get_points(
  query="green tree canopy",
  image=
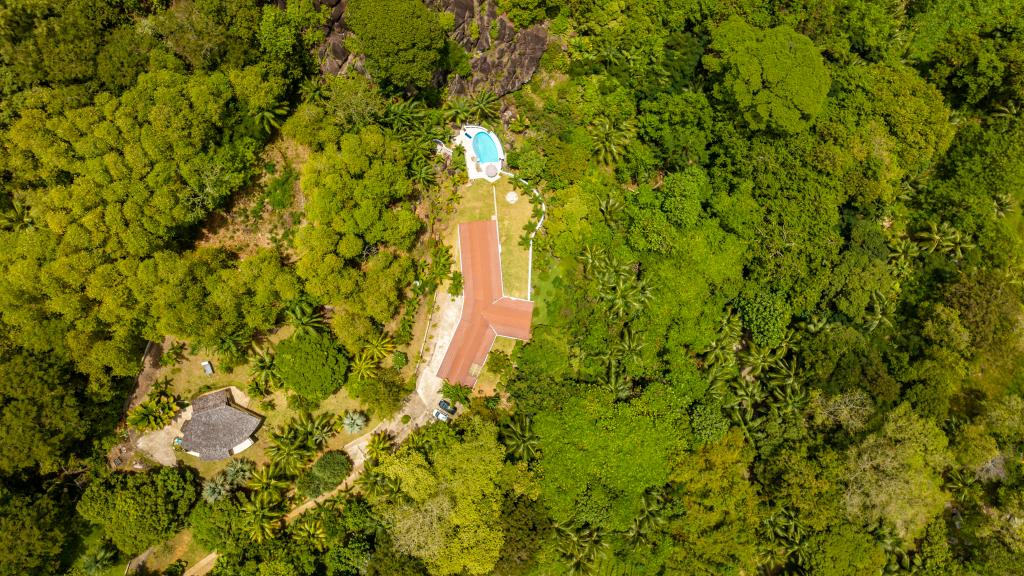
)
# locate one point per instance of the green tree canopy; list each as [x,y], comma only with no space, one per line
[137,510]
[448,515]
[402,40]
[895,473]
[312,365]
[774,79]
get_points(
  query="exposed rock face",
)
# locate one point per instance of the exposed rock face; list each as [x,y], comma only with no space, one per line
[502,64]
[334,57]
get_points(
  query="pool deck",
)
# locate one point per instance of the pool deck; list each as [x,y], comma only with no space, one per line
[479,170]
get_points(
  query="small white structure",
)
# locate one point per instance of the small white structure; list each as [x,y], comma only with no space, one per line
[484,155]
[207,366]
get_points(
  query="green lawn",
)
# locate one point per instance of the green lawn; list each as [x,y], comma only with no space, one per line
[477,202]
[515,258]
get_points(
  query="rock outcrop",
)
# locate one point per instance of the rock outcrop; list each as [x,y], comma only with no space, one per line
[502,58]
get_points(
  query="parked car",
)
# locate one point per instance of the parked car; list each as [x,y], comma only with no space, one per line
[441,415]
[446,406]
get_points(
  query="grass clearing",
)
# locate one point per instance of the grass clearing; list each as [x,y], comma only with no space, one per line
[477,202]
[181,547]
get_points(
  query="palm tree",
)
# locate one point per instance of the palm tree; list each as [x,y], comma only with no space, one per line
[379,445]
[174,354]
[611,210]
[264,371]
[155,413]
[785,531]
[99,560]
[520,439]
[17,217]
[789,398]
[930,238]
[233,346]
[288,453]
[238,472]
[363,367]
[1003,204]
[404,115]
[954,243]
[625,296]
[423,175]
[371,482]
[216,489]
[268,119]
[312,90]
[610,140]
[650,519]
[617,382]
[311,531]
[457,110]
[783,373]
[963,485]
[379,347]
[484,105]
[304,316]
[629,345]
[756,358]
[314,430]
[263,515]
[590,257]
[353,421]
[580,547]
[265,479]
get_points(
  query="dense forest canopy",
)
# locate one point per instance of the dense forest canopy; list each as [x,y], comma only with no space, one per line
[779,286]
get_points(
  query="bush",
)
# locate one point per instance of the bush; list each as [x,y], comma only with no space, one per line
[381,395]
[312,365]
[353,421]
[280,189]
[326,474]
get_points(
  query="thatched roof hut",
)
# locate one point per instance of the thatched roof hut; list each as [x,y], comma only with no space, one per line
[218,428]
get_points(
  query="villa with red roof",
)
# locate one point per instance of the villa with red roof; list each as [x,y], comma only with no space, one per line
[486,312]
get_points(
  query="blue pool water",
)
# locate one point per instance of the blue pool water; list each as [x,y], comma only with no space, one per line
[485,149]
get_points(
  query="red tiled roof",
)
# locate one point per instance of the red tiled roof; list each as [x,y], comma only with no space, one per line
[486,312]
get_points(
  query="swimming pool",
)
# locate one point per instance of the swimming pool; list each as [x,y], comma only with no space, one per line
[485,148]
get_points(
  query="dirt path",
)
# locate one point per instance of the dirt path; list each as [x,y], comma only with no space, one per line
[146,378]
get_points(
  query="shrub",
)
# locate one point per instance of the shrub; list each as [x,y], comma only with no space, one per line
[312,365]
[353,421]
[326,474]
[382,395]
[279,189]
